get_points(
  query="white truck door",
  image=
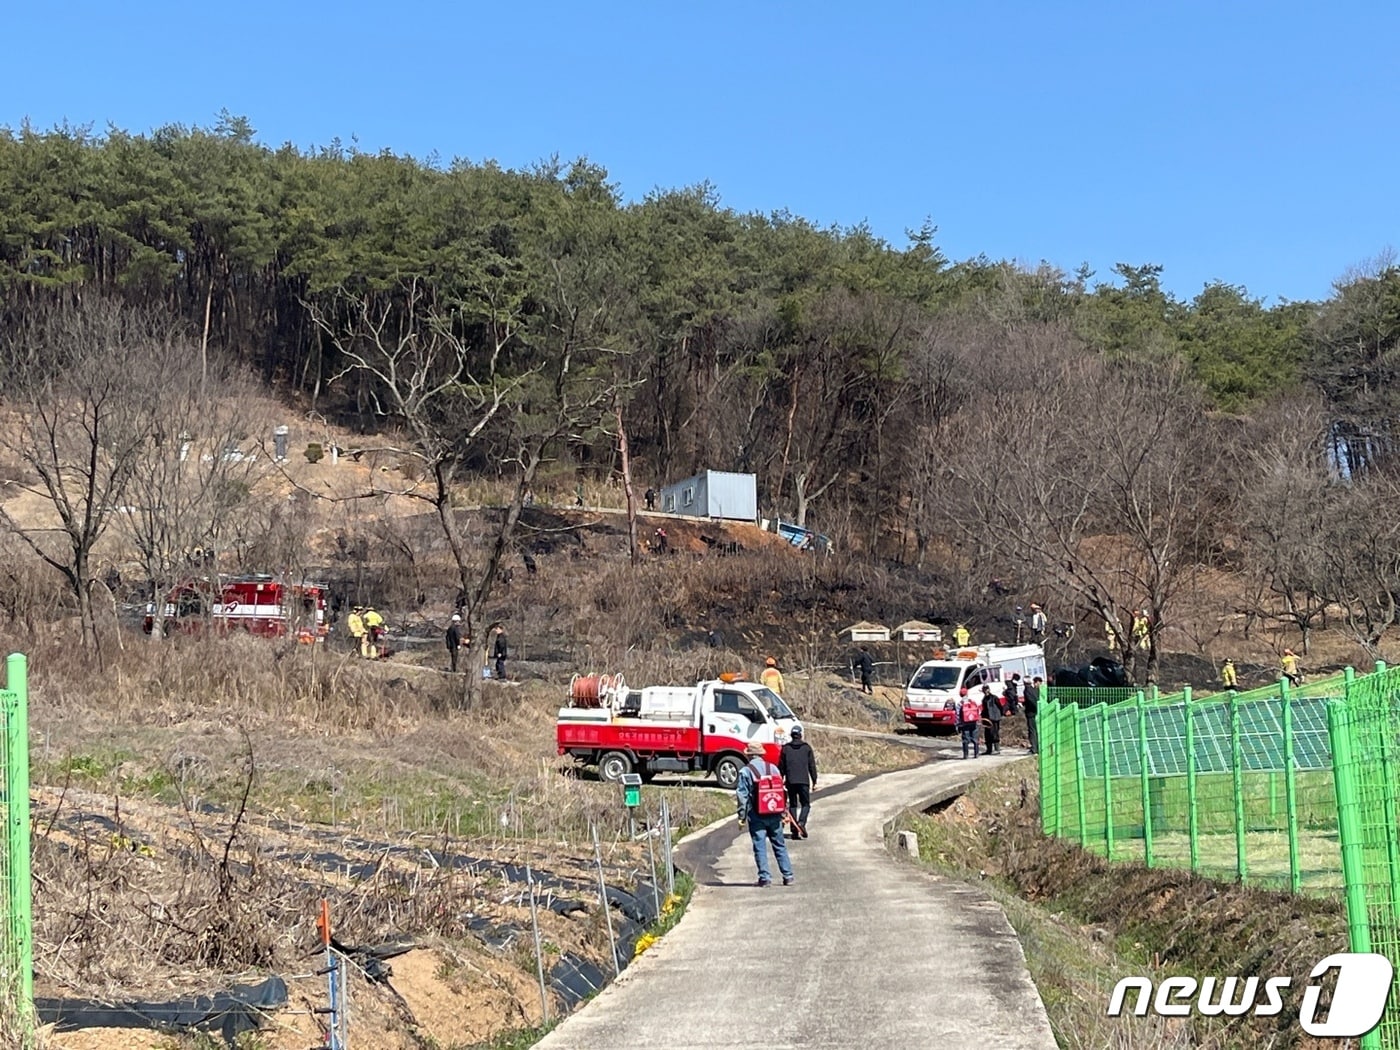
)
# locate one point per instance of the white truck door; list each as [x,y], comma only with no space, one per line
[723,714]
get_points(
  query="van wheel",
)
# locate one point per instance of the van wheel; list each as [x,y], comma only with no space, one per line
[727,771]
[613,766]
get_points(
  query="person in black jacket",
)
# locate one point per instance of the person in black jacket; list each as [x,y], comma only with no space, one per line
[1031,703]
[867,667]
[991,718]
[454,640]
[499,651]
[798,765]
[1010,699]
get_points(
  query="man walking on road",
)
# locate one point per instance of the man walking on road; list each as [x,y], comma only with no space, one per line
[969,720]
[763,827]
[1031,703]
[991,714]
[798,764]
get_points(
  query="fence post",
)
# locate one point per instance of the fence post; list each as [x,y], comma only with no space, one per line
[1107,783]
[1048,804]
[1339,729]
[1388,790]
[1057,758]
[1192,817]
[20,918]
[1145,781]
[1079,775]
[1237,775]
[1290,794]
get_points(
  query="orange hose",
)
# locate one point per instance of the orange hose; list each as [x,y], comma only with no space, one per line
[588,690]
[585,690]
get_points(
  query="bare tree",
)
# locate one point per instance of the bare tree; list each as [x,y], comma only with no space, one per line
[1087,478]
[438,373]
[1362,558]
[86,380]
[1285,517]
[941,383]
[429,378]
[196,471]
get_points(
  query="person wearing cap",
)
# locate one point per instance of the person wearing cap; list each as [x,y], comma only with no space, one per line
[1037,621]
[374,629]
[969,714]
[991,718]
[1229,677]
[771,677]
[798,764]
[355,624]
[454,640]
[763,827]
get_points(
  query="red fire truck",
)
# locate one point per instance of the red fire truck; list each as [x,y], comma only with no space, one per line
[268,606]
[703,727]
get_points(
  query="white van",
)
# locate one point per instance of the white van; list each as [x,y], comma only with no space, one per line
[932,695]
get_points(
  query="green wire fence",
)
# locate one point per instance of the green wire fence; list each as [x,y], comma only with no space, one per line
[1290,788]
[17,929]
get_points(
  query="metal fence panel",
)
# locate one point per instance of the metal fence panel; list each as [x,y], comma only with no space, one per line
[1293,788]
[17,929]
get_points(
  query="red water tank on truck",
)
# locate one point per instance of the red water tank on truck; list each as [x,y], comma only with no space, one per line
[677,729]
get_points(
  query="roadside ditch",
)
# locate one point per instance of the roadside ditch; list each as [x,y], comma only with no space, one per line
[1084,923]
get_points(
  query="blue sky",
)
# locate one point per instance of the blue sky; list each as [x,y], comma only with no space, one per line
[1245,142]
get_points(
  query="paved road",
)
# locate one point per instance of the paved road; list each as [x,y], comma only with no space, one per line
[864,951]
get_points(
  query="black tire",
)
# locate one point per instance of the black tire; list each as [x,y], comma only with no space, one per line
[613,766]
[727,771]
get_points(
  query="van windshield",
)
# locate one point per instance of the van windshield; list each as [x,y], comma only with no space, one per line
[936,676]
[774,703]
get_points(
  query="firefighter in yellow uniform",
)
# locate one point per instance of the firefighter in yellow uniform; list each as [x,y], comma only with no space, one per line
[1228,677]
[961,635]
[771,677]
[1140,630]
[374,627]
[1289,665]
[355,624]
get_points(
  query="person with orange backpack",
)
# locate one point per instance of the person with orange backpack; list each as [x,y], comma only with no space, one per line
[969,722]
[762,801]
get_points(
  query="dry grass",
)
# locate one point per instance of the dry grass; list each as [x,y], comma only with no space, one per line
[146,888]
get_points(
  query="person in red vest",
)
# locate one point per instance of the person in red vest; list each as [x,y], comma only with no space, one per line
[763,827]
